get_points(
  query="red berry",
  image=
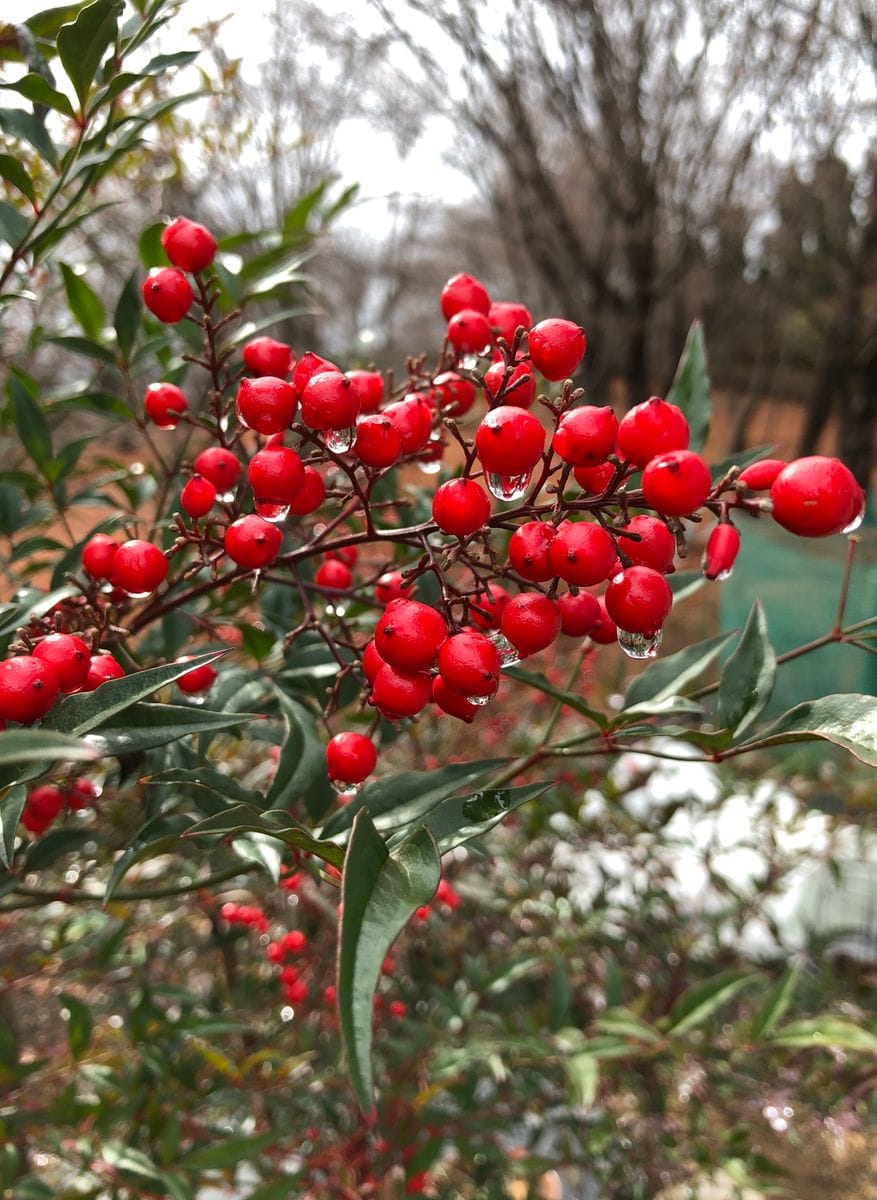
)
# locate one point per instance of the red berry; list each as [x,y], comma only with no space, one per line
[198,496]
[82,794]
[167,294]
[460,507]
[98,555]
[267,404]
[378,442]
[330,401]
[452,702]
[651,428]
[676,483]
[638,600]
[28,689]
[816,497]
[586,436]
[164,403]
[398,694]
[102,669]
[594,480]
[333,574]
[347,554]
[199,679]
[68,656]
[454,395]
[371,661]
[469,663]
[531,622]
[461,292]
[606,631]
[509,441]
[188,245]
[308,365]
[32,822]
[507,318]
[276,475]
[370,385]
[578,614]
[485,611]
[556,347]
[761,475]
[311,495]
[721,551]
[220,466]
[520,388]
[265,356]
[469,331]
[139,567]
[398,1008]
[45,802]
[530,551]
[412,416]
[656,547]
[408,635]
[294,941]
[351,757]
[391,586]
[252,543]
[582,553]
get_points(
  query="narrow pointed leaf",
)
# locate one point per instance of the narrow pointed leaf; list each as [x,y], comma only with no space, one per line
[698,1004]
[83,43]
[778,1000]
[821,1032]
[848,720]
[690,389]
[146,726]
[670,676]
[570,699]
[748,677]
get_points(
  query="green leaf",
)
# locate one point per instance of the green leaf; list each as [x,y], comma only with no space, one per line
[243,818]
[39,91]
[301,771]
[87,711]
[86,347]
[698,1003]
[30,423]
[379,893]
[207,779]
[263,849]
[54,845]
[848,720]
[25,127]
[84,302]
[584,1075]
[14,173]
[748,676]
[458,819]
[83,43]
[38,745]
[12,802]
[667,677]
[570,699]
[149,246]
[690,389]
[228,1153]
[13,224]
[146,726]
[79,1026]
[624,1023]
[130,1161]
[778,1000]
[157,836]
[684,584]
[819,1032]
[126,319]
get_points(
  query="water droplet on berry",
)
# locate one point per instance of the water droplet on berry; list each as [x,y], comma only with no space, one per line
[430,467]
[138,595]
[720,576]
[345,791]
[856,521]
[272,512]
[226,497]
[240,417]
[640,645]
[198,698]
[469,361]
[106,587]
[336,609]
[340,441]
[508,654]
[508,487]
[480,701]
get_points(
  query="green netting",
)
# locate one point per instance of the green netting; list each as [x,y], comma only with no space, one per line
[798,582]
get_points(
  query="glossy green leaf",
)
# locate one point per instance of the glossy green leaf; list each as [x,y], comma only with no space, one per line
[584,1076]
[146,726]
[39,91]
[206,779]
[458,819]
[228,1152]
[698,1003]
[88,710]
[30,424]
[624,1023]
[53,845]
[684,584]
[87,347]
[12,802]
[379,893]
[79,1024]
[38,745]
[748,676]
[848,720]
[126,319]
[690,389]
[84,302]
[157,836]
[14,173]
[130,1162]
[821,1032]
[301,771]
[83,43]
[778,1000]
[570,699]
[244,818]
[25,127]
[13,224]
[667,677]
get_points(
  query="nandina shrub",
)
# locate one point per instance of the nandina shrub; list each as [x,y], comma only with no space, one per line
[268,582]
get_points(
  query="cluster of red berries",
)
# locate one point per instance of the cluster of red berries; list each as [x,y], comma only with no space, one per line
[46,803]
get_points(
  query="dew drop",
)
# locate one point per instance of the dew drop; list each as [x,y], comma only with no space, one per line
[508,487]
[240,417]
[640,645]
[345,791]
[430,466]
[480,701]
[226,497]
[272,512]
[340,441]
[856,521]
[508,654]
[106,587]
[337,609]
[198,698]
[138,595]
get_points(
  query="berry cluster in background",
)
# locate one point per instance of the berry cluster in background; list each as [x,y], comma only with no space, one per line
[558,520]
